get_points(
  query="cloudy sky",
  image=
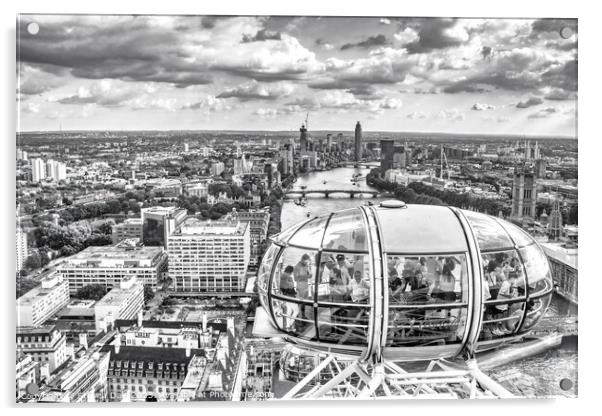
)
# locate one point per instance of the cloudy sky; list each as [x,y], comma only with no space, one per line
[393,74]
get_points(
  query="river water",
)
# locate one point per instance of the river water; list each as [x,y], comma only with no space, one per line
[537,376]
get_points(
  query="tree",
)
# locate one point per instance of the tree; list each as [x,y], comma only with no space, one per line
[24,285]
[148,294]
[33,262]
[106,228]
[94,292]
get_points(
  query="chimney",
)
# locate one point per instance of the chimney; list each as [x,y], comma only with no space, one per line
[117,345]
[140,319]
[83,339]
[187,348]
[204,321]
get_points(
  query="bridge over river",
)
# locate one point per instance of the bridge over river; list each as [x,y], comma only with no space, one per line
[294,193]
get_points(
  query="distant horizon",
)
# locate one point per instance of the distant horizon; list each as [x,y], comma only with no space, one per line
[442,133]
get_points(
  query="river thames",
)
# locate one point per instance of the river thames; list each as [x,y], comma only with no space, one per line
[536,376]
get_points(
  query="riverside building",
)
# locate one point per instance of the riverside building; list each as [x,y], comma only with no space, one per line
[209,256]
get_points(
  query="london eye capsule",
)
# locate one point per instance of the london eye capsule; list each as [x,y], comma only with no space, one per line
[403,282]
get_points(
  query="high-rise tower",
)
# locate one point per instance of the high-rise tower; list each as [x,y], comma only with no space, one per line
[358,142]
[303,139]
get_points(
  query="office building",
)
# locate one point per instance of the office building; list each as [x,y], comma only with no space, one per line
[209,256]
[217,168]
[109,265]
[21,155]
[45,345]
[564,269]
[288,162]
[159,222]
[387,151]
[82,380]
[55,170]
[399,157]
[122,302]
[128,229]
[38,170]
[540,168]
[43,301]
[358,142]
[172,361]
[199,189]
[242,165]
[22,250]
[524,196]
[303,147]
[258,220]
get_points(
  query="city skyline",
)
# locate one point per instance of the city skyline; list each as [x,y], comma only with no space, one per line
[475,76]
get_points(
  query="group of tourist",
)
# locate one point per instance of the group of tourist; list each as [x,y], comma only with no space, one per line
[503,279]
[419,280]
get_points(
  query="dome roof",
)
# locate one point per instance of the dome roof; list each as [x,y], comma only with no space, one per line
[387,279]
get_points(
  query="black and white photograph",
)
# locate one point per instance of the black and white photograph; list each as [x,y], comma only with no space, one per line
[293,208]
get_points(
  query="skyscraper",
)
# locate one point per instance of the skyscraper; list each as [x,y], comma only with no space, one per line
[358,142]
[303,139]
[22,253]
[38,170]
[387,150]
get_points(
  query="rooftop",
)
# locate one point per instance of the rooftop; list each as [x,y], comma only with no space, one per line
[116,296]
[125,323]
[30,330]
[113,253]
[156,354]
[557,251]
[159,210]
[195,226]
[49,283]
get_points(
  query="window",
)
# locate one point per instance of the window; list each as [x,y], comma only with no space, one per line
[428,298]
[504,294]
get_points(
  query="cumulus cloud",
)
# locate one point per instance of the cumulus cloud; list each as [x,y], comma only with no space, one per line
[261,36]
[324,44]
[543,113]
[207,104]
[36,81]
[30,107]
[452,114]
[176,50]
[482,107]
[105,93]
[532,101]
[517,69]
[416,115]
[370,42]
[436,34]
[558,94]
[253,90]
